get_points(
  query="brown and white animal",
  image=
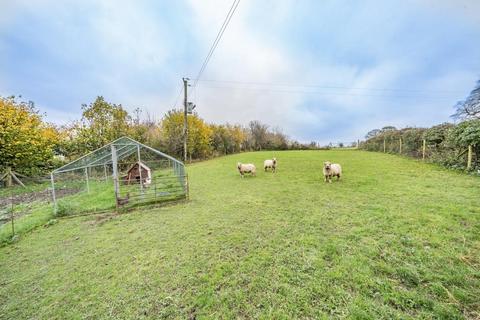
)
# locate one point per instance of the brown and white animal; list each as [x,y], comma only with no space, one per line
[246,168]
[331,170]
[270,164]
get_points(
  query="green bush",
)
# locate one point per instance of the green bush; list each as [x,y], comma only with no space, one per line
[63,209]
[446,143]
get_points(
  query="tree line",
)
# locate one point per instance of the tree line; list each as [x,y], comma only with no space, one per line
[32,146]
[446,143]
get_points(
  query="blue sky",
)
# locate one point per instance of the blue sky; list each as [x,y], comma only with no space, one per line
[327,71]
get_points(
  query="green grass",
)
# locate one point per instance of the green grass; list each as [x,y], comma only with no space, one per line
[394,238]
[100,198]
[17,190]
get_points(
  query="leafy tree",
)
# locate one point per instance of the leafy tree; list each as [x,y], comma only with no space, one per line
[276,140]
[388,128]
[199,134]
[199,137]
[437,134]
[466,133]
[238,136]
[172,132]
[470,107]
[258,133]
[27,143]
[101,123]
[373,133]
[221,141]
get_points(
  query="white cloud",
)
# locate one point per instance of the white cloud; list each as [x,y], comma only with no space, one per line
[124,51]
[241,55]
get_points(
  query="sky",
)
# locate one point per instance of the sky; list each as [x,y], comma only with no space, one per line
[325,71]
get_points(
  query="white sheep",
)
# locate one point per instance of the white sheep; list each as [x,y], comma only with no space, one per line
[246,168]
[270,164]
[331,170]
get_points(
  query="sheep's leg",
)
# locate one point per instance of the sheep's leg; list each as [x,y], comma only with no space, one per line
[338,177]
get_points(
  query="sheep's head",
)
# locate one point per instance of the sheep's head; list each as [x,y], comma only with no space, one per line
[274,160]
[327,165]
[239,165]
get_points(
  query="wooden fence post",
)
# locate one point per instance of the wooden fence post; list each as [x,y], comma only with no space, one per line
[12,215]
[384,146]
[400,146]
[9,177]
[469,157]
[53,194]
[424,148]
[140,169]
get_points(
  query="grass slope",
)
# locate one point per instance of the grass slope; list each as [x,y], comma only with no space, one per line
[394,238]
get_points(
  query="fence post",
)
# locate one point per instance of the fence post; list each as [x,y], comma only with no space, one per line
[86,179]
[52,181]
[115,174]
[9,177]
[384,146]
[424,148]
[469,158]
[400,146]
[12,214]
[140,169]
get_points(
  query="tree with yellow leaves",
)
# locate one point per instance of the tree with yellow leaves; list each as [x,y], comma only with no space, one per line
[26,142]
[199,135]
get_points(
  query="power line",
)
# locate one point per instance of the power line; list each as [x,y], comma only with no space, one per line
[277,84]
[330,93]
[217,39]
[178,96]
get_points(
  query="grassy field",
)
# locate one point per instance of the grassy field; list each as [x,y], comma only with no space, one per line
[394,238]
[73,198]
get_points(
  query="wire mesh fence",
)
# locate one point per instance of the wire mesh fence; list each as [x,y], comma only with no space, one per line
[122,174]
[415,146]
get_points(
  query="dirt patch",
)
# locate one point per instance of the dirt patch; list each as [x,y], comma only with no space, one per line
[44,195]
[28,199]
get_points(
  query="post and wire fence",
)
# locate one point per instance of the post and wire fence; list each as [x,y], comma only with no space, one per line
[415,146]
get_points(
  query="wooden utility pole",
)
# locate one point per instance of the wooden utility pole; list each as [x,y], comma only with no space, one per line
[185,122]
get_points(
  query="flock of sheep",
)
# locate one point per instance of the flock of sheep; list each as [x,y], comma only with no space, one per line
[330,170]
